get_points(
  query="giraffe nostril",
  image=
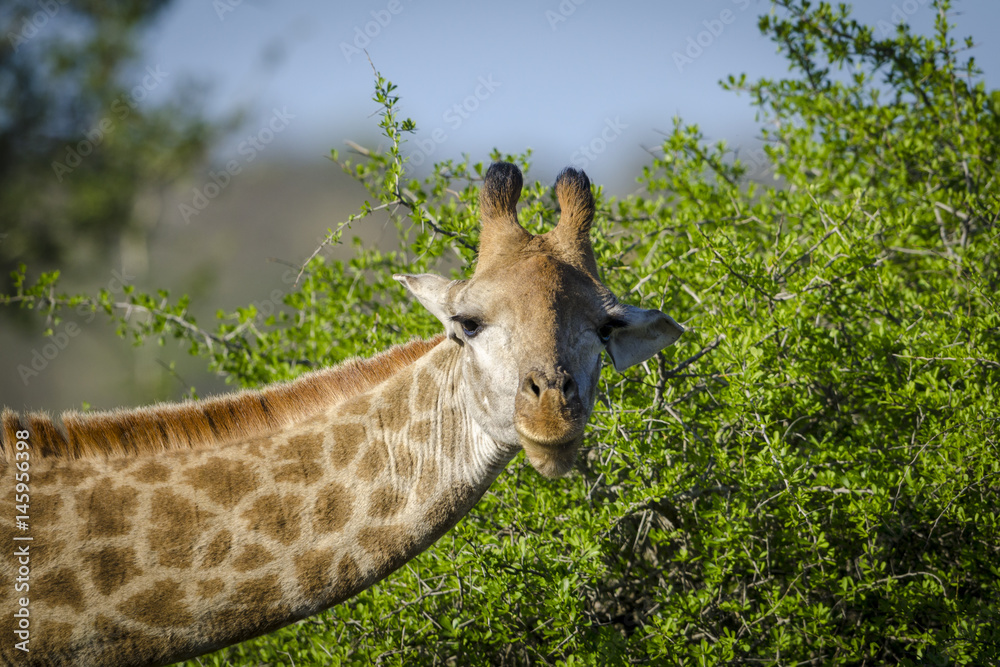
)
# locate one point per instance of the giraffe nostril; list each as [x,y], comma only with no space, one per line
[537,383]
[531,386]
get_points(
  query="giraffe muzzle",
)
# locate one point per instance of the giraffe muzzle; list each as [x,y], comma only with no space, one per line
[550,418]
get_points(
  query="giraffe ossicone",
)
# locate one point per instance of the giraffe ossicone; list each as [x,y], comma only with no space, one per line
[163,533]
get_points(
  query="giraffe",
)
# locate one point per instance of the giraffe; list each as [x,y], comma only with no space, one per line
[163,533]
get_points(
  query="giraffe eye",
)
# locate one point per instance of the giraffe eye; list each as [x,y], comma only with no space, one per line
[470,327]
[605,330]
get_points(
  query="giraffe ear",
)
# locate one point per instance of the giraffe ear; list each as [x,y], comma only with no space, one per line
[642,334]
[433,292]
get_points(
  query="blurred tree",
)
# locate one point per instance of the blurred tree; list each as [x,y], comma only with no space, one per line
[85,151]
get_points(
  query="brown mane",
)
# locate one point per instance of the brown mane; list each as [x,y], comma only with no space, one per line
[211,422]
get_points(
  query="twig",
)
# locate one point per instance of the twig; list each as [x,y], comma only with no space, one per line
[743,279]
[405,198]
[652,273]
[173,373]
[988,362]
[327,241]
[690,360]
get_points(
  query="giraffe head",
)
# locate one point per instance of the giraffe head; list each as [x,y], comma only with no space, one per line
[533,320]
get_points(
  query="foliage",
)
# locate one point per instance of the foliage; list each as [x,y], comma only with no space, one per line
[808,476]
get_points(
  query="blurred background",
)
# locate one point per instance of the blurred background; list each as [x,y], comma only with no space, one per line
[184,144]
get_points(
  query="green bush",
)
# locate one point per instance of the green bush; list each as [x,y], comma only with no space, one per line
[809,476]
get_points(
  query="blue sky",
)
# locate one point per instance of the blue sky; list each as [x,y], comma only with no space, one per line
[554,75]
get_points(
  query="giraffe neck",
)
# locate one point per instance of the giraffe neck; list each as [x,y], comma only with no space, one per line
[152,559]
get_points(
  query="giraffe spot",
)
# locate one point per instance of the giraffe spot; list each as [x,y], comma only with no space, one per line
[225,482]
[252,557]
[161,606]
[449,424]
[261,621]
[450,506]
[394,409]
[68,475]
[428,481]
[386,501]
[55,636]
[373,462]
[105,510]
[7,533]
[305,472]
[268,619]
[124,646]
[420,431]
[301,447]
[347,439]
[259,592]
[348,569]
[303,451]
[217,549]
[151,473]
[313,570]
[120,463]
[111,568]
[394,417]
[59,588]
[427,391]
[404,462]
[209,588]
[45,509]
[388,545]
[349,579]
[175,522]
[275,516]
[332,510]
[357,405]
